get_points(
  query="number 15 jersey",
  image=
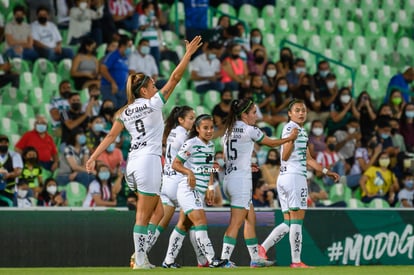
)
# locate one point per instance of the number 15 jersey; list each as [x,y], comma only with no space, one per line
[238,149]
[144,122]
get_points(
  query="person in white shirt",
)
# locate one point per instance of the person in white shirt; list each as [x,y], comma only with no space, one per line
[47,38]
[148,24]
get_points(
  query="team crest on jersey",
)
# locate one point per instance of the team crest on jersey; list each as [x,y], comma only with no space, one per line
[187,153]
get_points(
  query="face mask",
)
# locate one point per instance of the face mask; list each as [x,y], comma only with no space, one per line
[51,189]
[108,110]
[409,114]
[351,130]
[345,98]
[331,84]
[127,52]
[104,175]
[256,39]
[317,131]
[372,145]
[131,207]
[151,13]
[283,88]
[98,127]
[384,162]
[42,20]
[31,160]
[19,20]
[243,55]
[394,131]
[83,5]
[41,128]
[259,59]
[145,50]
[76,106]
[385,136]
[324,73]
[226,101]
[22,193]
[66,94]
[286,58]
[300,70]
[234,56]
[82,139]
[220,162]
[271,73]
[211,56]
[96,97]
[110,148]
[331,146]
[396,100]
[272,161]
[4,149]
[409,184]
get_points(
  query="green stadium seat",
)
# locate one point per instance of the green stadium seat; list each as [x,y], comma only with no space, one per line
[368,6]
[269,41]
[325,5]
[386,72]
[248,13]
[355,203]
[12,96]
[305,29]
[199,110]
[394,31]
[283,28]
[270,13]
[293,15]
[315,16]
[100,50]
[295,39]
[166,67]
[351,29]
[227,9]
[279,129]
[170,104]
[261,24]
[378,203]
[372,29]
[211,99]
[75,193]
[8,126]
[37,98]
[339,192]
[405,48]
[338,45]
[190,98]
[403,19]
[28,81]
[63,68]
[20,65]
[51,84]
[316,44]
[22,112]
[364,74]
[337,17]
[390,5]
[343,76]
[41,67]
[283,4]
[381,17]
[408,7]
[361,46]
[383,46]
[328,29]
[376,91]
[6,110]
[347,6]
[170,38]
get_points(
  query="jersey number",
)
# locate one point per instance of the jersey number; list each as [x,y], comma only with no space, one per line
[139,125]
[231,150]
[169,153]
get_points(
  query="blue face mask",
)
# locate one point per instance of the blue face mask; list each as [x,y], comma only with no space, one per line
[145,50]
[41,128]
[409,114]
[409,184]
[128,52]
[211,56]
[104,175]
[385,136]
[98,127]
[324,73]
[82,139]
[111,148]
[256,39]
[151,14]
[283,88]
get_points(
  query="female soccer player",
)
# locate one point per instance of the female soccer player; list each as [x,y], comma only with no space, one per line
[195,161]
[142,117]
[239,139]
[291,184]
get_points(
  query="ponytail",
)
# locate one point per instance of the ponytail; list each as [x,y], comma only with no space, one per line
[237,108]
[172,120]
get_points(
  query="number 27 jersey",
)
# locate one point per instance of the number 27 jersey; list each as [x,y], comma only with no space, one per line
[144,122]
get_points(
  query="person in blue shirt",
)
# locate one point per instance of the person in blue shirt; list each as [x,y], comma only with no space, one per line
[401,81]
[114,70]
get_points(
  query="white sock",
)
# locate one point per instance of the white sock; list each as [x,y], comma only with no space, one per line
[228,246]
[204,242]
[252,246]
[153,240]
[174,245]
[275,236]
[295,239]
[201,259]
[151,232]
[140,240]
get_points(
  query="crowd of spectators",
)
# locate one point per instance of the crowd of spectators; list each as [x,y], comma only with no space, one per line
[370,146]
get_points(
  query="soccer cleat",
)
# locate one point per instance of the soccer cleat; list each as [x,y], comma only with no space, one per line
[173,265]
[132,260]
[299,265]
[146,261]
[143,266]
[261,263]
[229,264]
[217,263]
[262,252]
[204,265]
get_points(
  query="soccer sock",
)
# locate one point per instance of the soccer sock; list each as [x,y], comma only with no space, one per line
[157,233]
[151,233]
[276,235]
[201,259]
[140,239]
[204,242]
[252,246]
[295,239]
[174,245]
[228,247]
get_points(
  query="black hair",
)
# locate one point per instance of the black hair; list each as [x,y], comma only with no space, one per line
[65,81]
[322,62]
[237,108]
[123,40]
[299,59]
[73,94]
[293,102]
[30,149]
[142,40]
[18,8]
[42,8]
[193,131]
[87,41]
[172,120]
[277,156]
[72,137]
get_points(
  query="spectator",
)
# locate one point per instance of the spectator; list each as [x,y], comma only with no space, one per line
[316,140]
[347,139]
[406,195]
[262,99]
[256,43]
[262,196]
[294,76]
[60,104]
[221,111]
[43,143]
[219,33]
[270,169]
[397,138]
[320,78]
[256,64]
[32,171]
[205,70]
[234,70]
[95,133]
[149,26]
[383,131]
[19,41]
[368,115]
[311,97]
[341,111]
[401,82]
[95,93]
[317,192]
[378,181]
[47,38]
[103,29]
[73,159]
[269,78]
[124,15]
[384,110]
[102,191]
[23,197]
[50,196]
[7,75]
[281,98]
[10,171]
[396,102]
[113,158]
[80,24]
[285,63]
[85,65]
[329,93]
[107,112]
[407,126]
[114,70]
[74,118]
[196,18]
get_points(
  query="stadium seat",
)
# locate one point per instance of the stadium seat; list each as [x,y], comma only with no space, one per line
[20,65]
[372,30]
[368,6]
[75,193]
[293,15]
[355,203]
[343,76]
[361,45]
[394,31]
[338,45]
[381,17]
[100,50]
[408,7]
[279,129]
[227,9]
[283,4]
[12,96]
[339,192]
[383,46]
[328,29]
[63,68]
[391,5]
[403,19]
[316,44]
[376,91]
[374,60]
[178,7]
[378,203]
[51,84]
[337,17]
[6,110]
[347,6]
[269,41]
[8,126]
[41,67]
[170,38]
[211,99]
[282,29]
[351,29]
[305,29]
[37,98]
[386,72]
[22,113]
[166,67]
[405,47]
[190,98]
[199,110]
[351,58]
[27,81]
[315,16]
[248,13]
[325,5]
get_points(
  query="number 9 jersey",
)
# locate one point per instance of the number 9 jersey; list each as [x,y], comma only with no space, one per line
[144,122]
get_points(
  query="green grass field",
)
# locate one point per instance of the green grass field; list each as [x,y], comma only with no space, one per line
[337,270]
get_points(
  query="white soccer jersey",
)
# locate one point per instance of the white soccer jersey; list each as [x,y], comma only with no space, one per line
[296,164]
[238,149]
[198,157]
[175,140]
[144,122]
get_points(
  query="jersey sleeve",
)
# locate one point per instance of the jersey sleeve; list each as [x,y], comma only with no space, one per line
[255,134]
[287,130]
[157,101]
[185,151]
